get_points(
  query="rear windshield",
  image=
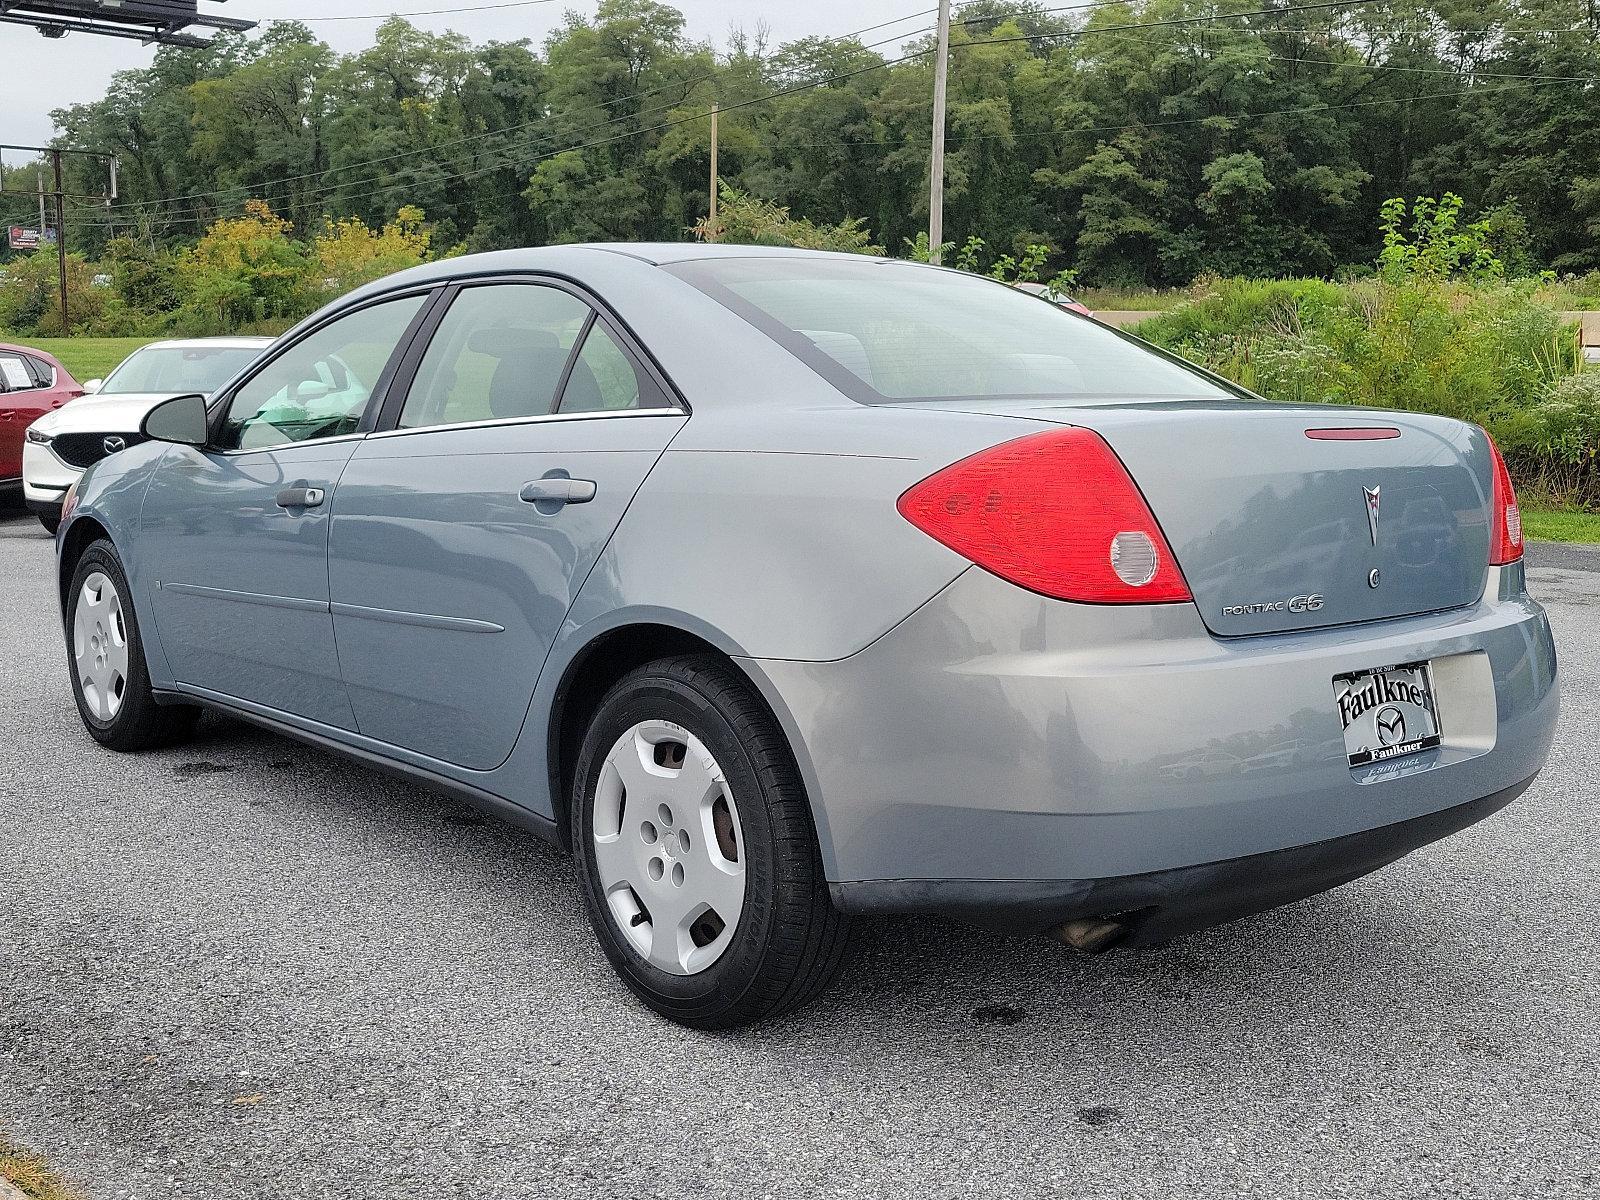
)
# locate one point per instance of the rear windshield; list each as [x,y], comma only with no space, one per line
[178,369]
[882,331]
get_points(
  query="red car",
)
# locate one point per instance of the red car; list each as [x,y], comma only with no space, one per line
[32,383]
[1062,301]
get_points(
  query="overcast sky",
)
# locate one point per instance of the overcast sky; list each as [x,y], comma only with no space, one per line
[38,75]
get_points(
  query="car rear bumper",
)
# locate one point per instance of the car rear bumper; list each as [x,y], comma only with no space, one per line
[997,740]
[1159,905]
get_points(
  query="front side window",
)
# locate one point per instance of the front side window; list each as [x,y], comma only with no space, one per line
[14,374]
[882,331]
[320,386]
[499,354]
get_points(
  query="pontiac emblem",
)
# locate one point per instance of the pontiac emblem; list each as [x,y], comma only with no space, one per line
[112,444]
[1371,493]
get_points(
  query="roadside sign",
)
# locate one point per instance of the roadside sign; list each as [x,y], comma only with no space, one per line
[31,239]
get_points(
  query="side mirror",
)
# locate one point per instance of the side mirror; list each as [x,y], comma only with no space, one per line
[183,419]
[93,386]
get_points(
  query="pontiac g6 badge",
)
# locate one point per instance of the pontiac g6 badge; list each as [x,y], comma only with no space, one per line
[1371,493]
[1294,604]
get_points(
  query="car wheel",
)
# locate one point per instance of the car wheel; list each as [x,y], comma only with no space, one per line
[51,524]
[110,682]
[696,849]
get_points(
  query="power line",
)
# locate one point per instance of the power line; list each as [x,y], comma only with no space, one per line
[1239,116]
[425,12]
[501,160]
[686,84]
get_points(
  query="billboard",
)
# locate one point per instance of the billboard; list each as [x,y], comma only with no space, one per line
[164,21]
[30,239]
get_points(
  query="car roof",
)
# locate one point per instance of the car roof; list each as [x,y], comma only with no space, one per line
[19,348]
[571,259]
[224,343]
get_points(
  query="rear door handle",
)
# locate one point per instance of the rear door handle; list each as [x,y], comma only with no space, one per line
[300,497]
[558,489]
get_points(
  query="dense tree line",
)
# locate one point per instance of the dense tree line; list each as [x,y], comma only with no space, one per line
[1144,142]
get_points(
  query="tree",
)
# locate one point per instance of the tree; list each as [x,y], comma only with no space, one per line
[349,254]
[244,271]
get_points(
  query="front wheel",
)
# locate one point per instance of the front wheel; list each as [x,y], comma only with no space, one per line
[696,849]
[50,523]
[109,679]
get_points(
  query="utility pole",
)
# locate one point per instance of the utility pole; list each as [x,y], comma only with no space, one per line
[711,224]
[56,154]
[61,241]
[941,72]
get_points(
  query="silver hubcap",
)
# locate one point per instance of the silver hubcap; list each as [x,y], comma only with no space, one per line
[668,847]
[100,646]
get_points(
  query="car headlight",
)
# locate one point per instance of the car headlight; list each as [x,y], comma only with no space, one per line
[38,438]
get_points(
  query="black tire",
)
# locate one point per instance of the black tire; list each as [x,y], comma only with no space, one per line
[789,938]
[51,524]
[139,723]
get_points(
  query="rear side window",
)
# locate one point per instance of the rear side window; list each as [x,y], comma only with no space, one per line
[605,378]
[882,331]
[500,353]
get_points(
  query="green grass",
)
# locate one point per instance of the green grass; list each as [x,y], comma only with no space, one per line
[88,357]
[30,1175]
[1548,525]
[1115,299]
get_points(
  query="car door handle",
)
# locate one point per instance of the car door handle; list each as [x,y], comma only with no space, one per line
[300,497]
[558,489]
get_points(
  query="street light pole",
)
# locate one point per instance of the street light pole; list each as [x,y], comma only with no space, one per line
[941,70]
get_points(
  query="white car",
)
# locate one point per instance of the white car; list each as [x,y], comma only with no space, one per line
[61,445]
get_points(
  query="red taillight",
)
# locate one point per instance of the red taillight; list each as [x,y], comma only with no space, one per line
[1505,534]
[1056,513]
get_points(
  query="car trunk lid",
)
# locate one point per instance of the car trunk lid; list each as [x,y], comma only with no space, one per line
[1278,530]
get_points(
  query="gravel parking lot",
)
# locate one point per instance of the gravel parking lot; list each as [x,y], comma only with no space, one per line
[242,968]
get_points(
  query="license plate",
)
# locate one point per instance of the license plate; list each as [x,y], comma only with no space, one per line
[1387,713]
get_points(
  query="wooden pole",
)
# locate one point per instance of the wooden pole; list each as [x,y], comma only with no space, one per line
[941,71]
[712,223]
[61,241]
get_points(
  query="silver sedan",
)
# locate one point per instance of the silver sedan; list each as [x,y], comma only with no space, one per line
[783,587]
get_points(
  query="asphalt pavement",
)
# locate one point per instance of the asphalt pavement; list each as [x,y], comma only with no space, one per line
[242,968]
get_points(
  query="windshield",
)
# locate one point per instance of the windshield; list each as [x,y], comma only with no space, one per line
[178,369]
[881,331]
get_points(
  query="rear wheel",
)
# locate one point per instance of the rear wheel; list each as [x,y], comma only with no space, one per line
[110,682]
[696,849]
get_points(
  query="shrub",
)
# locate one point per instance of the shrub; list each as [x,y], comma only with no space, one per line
[751,221]
[1553,445]
[1492,353]
[244,270]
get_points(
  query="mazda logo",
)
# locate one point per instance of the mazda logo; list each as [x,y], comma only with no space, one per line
[1391,725]
[112,444]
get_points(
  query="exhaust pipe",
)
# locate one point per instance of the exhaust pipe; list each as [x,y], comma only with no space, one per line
[1092,935]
